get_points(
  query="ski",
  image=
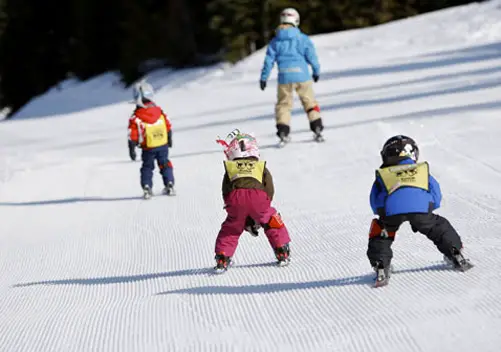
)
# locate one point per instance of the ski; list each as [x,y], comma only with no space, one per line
[222,265]
[219,271]
[381,281]
[382,276]
[465,266]
[169,192]
[459,263]
[283,142]
[147,192]
[319,138]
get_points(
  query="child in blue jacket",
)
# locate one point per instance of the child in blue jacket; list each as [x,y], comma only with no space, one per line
[403,191]
[293,51]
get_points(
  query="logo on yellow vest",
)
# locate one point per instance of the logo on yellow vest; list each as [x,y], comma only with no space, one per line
[156,134]
[408,175]
[245,168]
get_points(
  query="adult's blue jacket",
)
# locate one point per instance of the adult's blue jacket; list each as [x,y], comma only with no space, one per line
[293,51]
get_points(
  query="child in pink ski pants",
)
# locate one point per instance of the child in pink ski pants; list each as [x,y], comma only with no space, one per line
[247,192]
[254,203]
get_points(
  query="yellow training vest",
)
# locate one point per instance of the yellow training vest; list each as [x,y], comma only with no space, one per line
[156,134]
[406,175]
[245,168]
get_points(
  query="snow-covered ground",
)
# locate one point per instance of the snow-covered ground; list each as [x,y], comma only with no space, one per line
[86,265]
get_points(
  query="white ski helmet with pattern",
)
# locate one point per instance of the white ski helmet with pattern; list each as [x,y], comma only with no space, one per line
[290,16]
[239,145]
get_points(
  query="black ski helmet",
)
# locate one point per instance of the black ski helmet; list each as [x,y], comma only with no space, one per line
[398,148]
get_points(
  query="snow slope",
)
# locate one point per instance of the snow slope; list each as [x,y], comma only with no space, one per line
[86,265]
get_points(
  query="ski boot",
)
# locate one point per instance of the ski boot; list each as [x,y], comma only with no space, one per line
[383,274]
[318,135]
[222,263]
[283,255]
[147,192]
[169,189]
[317,127]
[284,139]
[458,261]
[283,133]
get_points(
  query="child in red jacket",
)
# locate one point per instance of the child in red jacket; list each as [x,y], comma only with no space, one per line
[150,129]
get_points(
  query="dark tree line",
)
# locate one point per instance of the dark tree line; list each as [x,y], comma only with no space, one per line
[44,42]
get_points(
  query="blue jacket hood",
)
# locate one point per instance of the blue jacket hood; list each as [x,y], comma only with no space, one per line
[287,33]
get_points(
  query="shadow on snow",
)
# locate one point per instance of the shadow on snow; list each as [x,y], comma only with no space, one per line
[67,201]
[109,280]
[364,280]
[239,290]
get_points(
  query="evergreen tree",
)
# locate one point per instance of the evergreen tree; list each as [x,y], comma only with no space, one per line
[44,42]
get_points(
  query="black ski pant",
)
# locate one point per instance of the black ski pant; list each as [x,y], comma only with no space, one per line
[435,227]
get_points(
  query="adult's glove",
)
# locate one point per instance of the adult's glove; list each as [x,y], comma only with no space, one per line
[262,84]
[316,78]
[169,139]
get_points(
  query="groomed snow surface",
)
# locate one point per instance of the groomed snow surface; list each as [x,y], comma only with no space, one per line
[87,265]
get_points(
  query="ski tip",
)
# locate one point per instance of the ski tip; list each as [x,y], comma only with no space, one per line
[465,267]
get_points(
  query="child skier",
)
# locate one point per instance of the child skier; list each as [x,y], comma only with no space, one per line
[403,191]
[247,192]
[150,128]
[293,51]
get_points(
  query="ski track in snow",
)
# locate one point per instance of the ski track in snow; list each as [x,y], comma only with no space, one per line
[87,265]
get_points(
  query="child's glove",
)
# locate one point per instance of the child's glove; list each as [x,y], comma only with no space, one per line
[132,150]
[262,85]
[251,226]
[315,78]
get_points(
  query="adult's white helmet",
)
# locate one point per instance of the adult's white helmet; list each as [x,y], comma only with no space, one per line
[289,16]
[142,90]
